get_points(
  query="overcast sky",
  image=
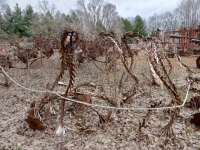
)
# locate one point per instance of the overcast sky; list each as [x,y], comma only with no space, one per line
[125,8]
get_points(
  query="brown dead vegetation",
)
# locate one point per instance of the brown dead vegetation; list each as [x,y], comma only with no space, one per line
[121,77]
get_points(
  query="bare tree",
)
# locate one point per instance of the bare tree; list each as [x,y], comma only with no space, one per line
[154,22]
[176,19]
[186,14]
[44,7]
[96,15]
[109,15]
[3,5]
[60,21]
[189,12]
[45,18]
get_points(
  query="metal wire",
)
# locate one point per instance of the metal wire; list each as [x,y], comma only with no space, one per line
[100,106]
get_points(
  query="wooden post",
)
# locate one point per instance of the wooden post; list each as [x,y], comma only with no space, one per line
[40,55]
[27,63]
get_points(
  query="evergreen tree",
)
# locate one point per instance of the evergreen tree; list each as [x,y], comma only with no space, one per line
[72,18]
[69,18]
[139,26]
[28,15]
[17,22]
[127,25]
[4,25]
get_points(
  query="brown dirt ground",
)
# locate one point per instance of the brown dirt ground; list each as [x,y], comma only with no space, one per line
[121,132]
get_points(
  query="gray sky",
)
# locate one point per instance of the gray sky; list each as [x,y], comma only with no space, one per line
[125,8]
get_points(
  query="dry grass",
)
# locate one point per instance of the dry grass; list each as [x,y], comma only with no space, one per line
[122,132]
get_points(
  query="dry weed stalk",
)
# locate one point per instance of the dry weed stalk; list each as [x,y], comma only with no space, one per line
[25,53]
[194,103]
[66,52]
[141,134]
[157,65]
[92,48]
[123,51]
[6,63]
